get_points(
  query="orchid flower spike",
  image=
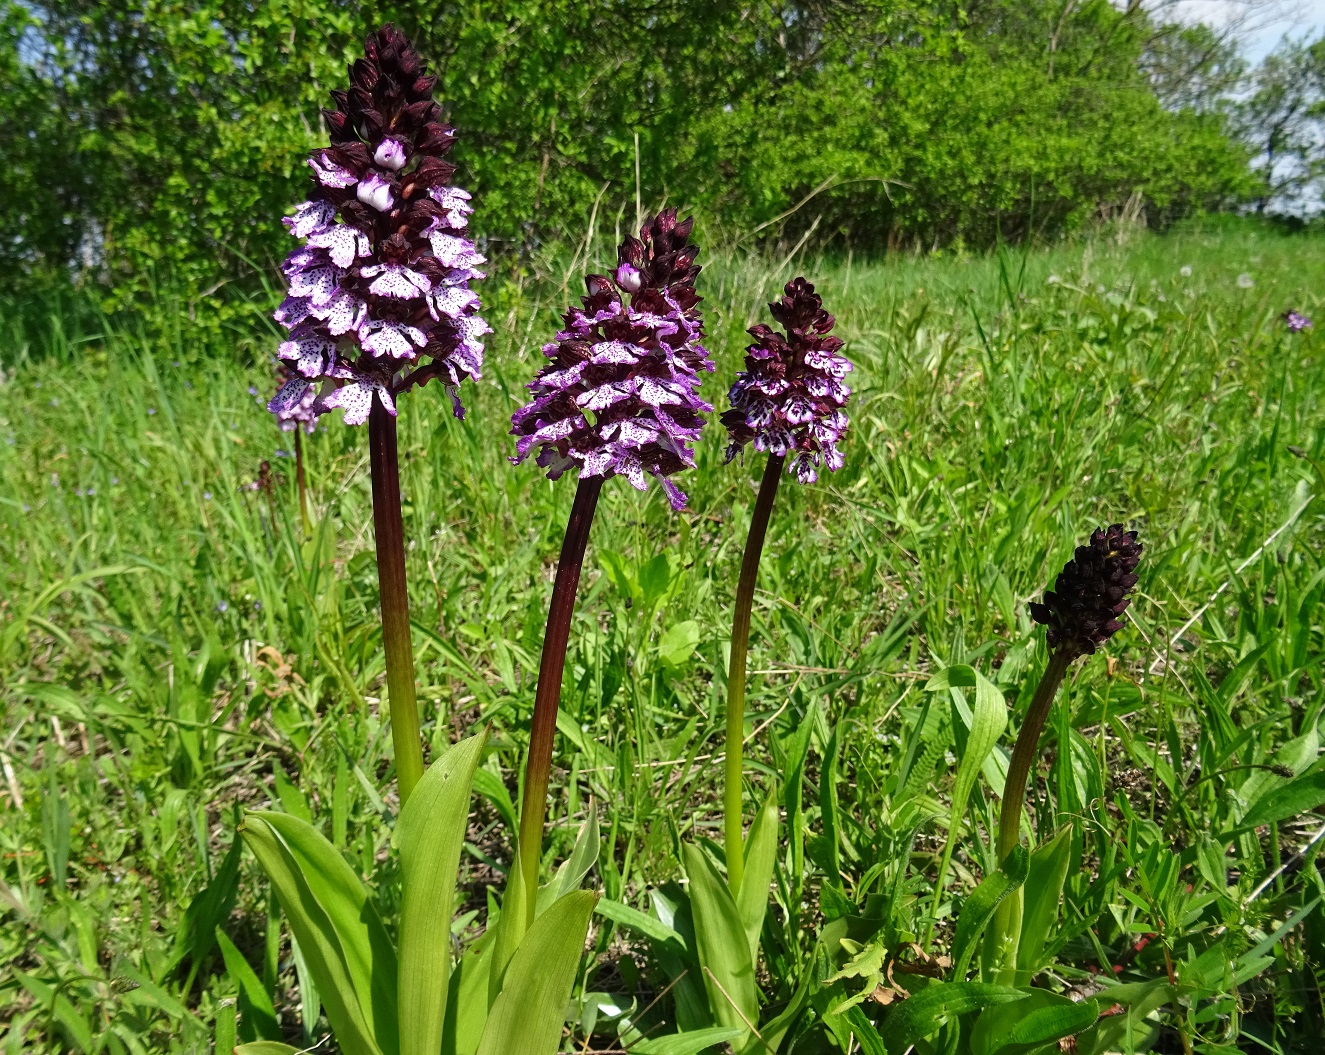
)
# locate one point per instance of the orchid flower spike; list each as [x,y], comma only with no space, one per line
[379,298]
[621,393]
[789,399]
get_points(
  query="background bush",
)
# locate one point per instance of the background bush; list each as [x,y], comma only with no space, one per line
[161,139]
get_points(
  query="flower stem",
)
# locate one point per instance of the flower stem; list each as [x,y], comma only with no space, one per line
[745,595]
[299,478]
[547,697]
[1024,751]
[390,532]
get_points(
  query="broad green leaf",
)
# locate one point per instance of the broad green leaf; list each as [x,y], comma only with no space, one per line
[369,953]
[527,1017]
[1288,800]
[1040,897]
[761,847]
[688,1043]
[979,907]
[676,646]
[922,1014]
[318,938]
[1129,1031]
[724,950]
[467,1001]
[429,836]
[641,923]
[510,927]
[1029,1024]
[582,858]
[257,1019]
[266,1047]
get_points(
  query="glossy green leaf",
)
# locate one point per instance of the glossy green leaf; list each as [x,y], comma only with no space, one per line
[677,645]
[1030,1023]
[266,1047]
[583,857]
[979,907]
[318,937]
[369,952]
[691,1043]
[510,928]
[257,1016]
[527,1017]
[467,999]
[922,1014]
[1040,897]
[722,945]
[641,923]
[761,847]
[429,837]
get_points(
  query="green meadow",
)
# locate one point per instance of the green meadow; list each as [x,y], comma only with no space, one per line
[177,645]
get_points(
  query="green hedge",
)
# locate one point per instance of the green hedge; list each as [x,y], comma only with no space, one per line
[166,137]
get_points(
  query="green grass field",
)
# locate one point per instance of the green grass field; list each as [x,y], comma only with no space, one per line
[173,649]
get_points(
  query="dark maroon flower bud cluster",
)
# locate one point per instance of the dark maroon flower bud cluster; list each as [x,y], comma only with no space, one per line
[1091,593]
[621,393]
[789,398]
[379,297]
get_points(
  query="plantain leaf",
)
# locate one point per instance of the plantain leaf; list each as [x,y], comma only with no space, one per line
[1040,896]
[429,835]
[761,849]
[1288,800]
[528,1014]
[1025,1025]
[924,1013]
[724,950]
[691,1043]
[257,1015]
[980,906]
[318,937]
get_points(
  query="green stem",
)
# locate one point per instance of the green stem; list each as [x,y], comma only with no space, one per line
[389,529]
[1024,752]
[299,478]
[745,595]
[547,697]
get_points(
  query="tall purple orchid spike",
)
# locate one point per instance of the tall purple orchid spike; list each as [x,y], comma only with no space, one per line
[379,301]
[621,393]
[379,298]
[789,398]
[620,397]
[788,401]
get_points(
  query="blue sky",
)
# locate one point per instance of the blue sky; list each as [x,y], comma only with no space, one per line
[1264,21]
